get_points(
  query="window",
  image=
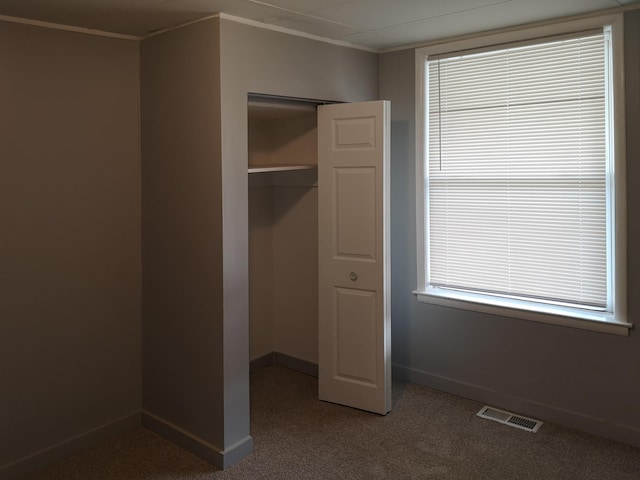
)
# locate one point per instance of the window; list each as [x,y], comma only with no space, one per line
[519,181]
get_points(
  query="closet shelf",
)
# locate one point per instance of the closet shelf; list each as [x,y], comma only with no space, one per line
[280,168]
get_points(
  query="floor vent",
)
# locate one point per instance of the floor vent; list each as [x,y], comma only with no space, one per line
[500,416]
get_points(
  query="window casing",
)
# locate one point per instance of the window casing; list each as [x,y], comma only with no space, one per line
[521,175]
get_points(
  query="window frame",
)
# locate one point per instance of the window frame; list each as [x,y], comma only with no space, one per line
[614,323]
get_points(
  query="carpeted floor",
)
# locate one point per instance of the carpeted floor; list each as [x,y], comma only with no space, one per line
[428,435]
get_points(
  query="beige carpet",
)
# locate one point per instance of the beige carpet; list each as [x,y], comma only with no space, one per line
[428,435]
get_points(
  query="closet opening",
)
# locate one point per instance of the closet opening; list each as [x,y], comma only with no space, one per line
[283,232]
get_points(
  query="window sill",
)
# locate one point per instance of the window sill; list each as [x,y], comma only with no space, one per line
[550,314]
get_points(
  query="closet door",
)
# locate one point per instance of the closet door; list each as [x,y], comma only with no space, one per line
[353,249]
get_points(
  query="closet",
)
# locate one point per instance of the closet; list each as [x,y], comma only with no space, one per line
[283,230]
[321,297]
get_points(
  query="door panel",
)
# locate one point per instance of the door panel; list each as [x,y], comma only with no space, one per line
[355,212]
[355,336]
[354,133]
[353,248]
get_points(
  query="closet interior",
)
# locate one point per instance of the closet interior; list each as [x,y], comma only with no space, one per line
[283,230]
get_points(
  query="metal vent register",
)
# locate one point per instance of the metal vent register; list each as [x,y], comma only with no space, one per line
[508,418]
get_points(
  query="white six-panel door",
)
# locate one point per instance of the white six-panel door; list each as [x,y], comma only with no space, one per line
[353,249]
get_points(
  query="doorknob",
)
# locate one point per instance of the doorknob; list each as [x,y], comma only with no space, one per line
[353,276]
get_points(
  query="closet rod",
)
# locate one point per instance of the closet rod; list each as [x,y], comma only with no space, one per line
[264,97]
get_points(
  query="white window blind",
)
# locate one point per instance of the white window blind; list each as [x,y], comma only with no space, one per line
[517,189]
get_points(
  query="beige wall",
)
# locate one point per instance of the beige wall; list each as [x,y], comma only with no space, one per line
[295,281]
[283,265]
[70,338]
[268,62]
[262,325]
[182,229]
[70,356]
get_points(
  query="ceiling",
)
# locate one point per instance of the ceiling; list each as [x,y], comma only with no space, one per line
[375,24]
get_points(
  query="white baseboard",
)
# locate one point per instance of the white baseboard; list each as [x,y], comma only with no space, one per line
[548,413]
[198,446]
[297,364]
[277,358]
[261,362]
[39,460]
